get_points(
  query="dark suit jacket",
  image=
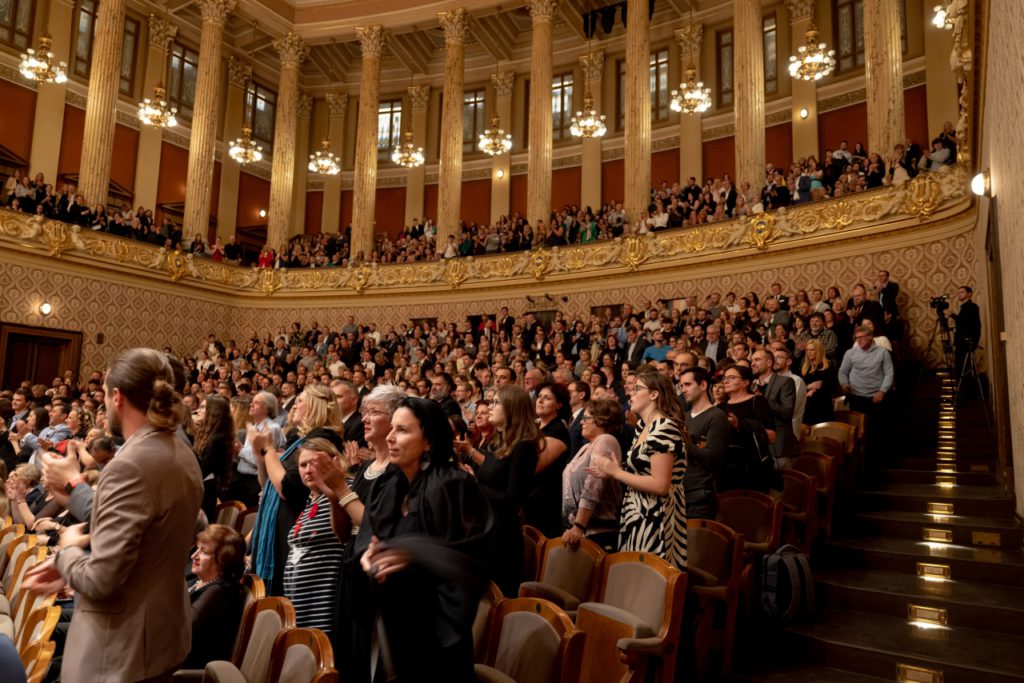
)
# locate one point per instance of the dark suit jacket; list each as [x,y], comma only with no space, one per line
[719,354]
[780,392]
[634,359]
[576,440]
[132,604]
[887,298]
[354,429]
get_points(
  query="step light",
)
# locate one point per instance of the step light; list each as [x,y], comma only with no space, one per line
[938,573]
[907,673]
[940,509]
[947,469]
[938,535]
[946,481]
[928,617]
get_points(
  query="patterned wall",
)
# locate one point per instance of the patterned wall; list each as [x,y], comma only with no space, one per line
[148,314]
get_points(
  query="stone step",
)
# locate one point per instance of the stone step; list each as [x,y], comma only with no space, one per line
[999,532]
[965,477]
[988,565]
[980,606]
[875,645]
[967,500]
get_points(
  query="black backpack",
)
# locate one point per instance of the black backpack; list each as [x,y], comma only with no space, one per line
[787,586]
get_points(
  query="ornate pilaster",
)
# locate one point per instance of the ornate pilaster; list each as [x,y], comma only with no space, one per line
[147,162]
[884,75]
[638,109]
[291,50]
[303,145]
[805,93]
[372,40]
[50,97]
[449,191]
[690,39]
[239,75]
[101,105]
[538,180]
[337,108]
[592,69]
[416,178]
[198,188]
[501,166]
[161,32]
[748,75]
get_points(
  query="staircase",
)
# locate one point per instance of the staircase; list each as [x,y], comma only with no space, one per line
[923,580]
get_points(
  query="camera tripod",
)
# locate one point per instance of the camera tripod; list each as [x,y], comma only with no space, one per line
[969,370]
[945,336]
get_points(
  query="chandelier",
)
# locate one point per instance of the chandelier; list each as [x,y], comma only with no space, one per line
[244,150]
[156,112]
[941,17]
[407,154]
[495,141]
[588,123]
[812,61]
[323,161]
[691,97]
[38,65]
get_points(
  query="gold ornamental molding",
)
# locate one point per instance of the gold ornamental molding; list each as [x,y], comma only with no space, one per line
[927,198]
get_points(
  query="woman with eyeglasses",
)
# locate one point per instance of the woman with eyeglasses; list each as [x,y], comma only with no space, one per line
[590,504]
[750,417]
[653,516]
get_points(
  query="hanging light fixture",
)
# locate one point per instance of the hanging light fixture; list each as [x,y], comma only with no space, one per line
[588,123]
[495,141]
[691,97]
[812,61]
[39,65]
[156,111]
[940,18]
[244,150]
[324,161]
[407,154]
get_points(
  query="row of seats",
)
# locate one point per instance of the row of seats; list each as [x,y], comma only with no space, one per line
[236,515]
[28,620]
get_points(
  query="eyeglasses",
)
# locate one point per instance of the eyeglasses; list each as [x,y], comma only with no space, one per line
[587,418]
[371,412]
[639,387]
[725,377]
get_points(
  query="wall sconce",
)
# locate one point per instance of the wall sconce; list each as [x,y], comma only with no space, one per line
[981,184]
[263,213]
[45,308]
[804,113]
[501,173]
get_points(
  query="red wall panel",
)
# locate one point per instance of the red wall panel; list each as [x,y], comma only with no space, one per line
[778,145]
[719,158]
[346,210]
[849,123]
[915,113]
[565,187]
[429,202]
[71,140]
[170,188]
[122,162]
[253,195]
[517,189]
[665,167]
[314,212]
[17,117]
[476,201]
[613,181]
[389,214]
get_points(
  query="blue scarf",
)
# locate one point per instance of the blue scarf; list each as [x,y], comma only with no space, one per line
[266,524]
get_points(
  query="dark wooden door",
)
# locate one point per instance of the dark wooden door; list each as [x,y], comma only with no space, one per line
[37,354]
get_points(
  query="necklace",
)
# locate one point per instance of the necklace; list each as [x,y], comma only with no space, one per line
[371,474]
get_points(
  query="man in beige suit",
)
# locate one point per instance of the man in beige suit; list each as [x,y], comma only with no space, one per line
[132,616]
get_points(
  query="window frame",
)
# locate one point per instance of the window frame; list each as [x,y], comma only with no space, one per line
[81,66]
[175,96]
[563,87]
[395,132]
[660,111]
[725,97]
[858,56]
[12,28]
[471,134]
[254,91]
[771,78]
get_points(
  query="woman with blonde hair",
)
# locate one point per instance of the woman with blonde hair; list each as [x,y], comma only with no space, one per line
[505,467]
[820,376]
[314,415]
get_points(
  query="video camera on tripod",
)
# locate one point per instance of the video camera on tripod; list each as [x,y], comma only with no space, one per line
[939,303]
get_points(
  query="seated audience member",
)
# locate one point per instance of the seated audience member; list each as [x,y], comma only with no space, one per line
[426,542]
[217,595]
[24,436]
[590,504]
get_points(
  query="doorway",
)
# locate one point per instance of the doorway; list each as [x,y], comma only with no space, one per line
[37,354]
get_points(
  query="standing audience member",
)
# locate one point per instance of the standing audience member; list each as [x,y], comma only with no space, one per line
[590,503]
[866,376]
[820,377]
[708,429]
[543,505]
[214,445]
[780,393]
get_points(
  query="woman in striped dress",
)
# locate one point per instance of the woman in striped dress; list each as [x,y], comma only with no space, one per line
[312,573]
[653,516]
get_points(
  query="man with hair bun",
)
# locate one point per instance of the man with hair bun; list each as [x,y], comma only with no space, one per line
[132,619]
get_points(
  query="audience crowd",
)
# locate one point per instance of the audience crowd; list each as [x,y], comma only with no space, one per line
[840,172]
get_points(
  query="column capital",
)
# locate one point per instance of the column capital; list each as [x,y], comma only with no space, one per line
[305,109]
[690,39]
[592,66]
[239,72]
[372,40]
[215,11]
[504,83]
[292,49]
[337,104]
[419,95]
[455,23]
[161,31]
[542,10]
[800,10]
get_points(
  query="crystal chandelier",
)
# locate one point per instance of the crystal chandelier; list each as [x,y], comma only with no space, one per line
[407,154]
[39,65]
[691,97]
[941,17]
[156,112]
[323,161]
[812,61]
[495,141]
[244,150]
[588,123]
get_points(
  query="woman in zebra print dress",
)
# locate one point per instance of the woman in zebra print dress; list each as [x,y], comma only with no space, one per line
[653,516]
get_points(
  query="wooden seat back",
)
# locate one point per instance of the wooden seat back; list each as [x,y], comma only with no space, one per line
[756,515]
[574,571]
[533,640]
[841,432]
[533,542]
[799,509]
[715,565]
[822,469]
[302,655]
[38,626]
[228,513]
[483,619]
[246,522]
[261,622]
[36,660]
